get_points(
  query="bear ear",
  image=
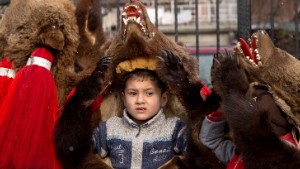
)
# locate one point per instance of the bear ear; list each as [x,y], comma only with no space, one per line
[53,37]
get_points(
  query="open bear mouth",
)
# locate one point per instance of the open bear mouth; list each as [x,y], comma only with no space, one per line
[133,13]
[251,53]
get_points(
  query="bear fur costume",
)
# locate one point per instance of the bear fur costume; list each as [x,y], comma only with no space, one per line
[29,24]
[72,34]
[251,121]
[138,44]
[275,68]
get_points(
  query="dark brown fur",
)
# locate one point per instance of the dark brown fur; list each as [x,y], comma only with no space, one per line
[73,130]
[250,122]
[260,147]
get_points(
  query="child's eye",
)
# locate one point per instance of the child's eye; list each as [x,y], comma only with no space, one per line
[131,93]
[149,93]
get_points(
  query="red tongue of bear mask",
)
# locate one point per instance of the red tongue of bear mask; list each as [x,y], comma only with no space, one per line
[271,66]
[249,52]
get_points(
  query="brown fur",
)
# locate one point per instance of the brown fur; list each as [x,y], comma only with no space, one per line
[29,24]
[91,36]
[74,128]
[182,79]
[234,80]
[280,71]
[185,101]
[135,44]
[260,147]
[251,123]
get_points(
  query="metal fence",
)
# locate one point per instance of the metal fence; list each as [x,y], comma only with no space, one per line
[244,24]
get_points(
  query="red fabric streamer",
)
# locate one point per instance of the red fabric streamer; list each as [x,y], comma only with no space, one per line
[30,111]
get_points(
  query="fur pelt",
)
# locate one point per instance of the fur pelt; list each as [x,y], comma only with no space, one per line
[260,147]
[29,24]
[277,69]
[140,40]
[250,121]
[73,130]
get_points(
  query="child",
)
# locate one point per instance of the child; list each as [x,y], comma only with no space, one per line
[144,137]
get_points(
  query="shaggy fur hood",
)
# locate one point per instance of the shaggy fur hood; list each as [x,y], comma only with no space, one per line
[29,24]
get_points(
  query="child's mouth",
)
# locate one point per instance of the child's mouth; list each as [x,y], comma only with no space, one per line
[141,109]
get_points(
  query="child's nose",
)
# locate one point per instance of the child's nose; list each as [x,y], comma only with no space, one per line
[140,98]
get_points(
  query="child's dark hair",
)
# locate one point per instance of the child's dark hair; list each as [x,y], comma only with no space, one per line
[144,73]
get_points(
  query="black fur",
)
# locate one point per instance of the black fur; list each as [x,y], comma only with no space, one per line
[73,131]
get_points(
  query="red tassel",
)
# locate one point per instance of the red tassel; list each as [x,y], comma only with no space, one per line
[7,74]
[30,109]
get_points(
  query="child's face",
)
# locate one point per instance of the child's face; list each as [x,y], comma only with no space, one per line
[143,99]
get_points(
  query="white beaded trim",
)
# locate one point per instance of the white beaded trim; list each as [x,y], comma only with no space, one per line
[35,60]
[29,61]
[7,72]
